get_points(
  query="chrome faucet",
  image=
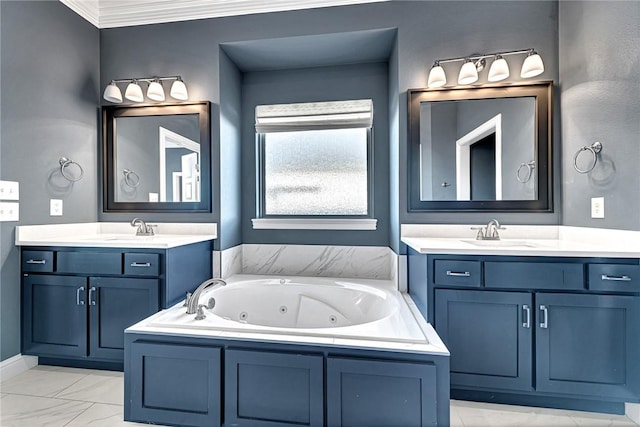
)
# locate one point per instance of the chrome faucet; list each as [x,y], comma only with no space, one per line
[490,231]
[192,298]
[144,229]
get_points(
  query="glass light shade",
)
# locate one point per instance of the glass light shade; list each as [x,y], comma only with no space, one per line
[179,90]
[437,77]
[112,93]
[499,70]
[134,92]
[532,66]
[468,74]
[155,91]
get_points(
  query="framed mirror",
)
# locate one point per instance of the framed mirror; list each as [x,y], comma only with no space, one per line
[156,158]
[481,149]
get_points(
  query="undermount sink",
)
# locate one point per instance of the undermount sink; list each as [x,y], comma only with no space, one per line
[506,243]
[129,238]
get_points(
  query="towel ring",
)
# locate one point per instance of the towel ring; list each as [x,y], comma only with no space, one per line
[594,148]
[64,165]
[131,178]
[528,167]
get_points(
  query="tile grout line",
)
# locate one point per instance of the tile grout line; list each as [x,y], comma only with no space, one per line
[72,419]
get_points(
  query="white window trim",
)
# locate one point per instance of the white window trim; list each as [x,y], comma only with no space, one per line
[314,223]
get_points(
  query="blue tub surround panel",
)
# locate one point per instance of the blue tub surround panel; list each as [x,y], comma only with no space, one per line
[172,379]
[77,301]
[254,375]
[534,327]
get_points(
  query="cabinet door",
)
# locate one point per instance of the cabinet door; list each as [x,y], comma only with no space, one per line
[380,394]
[273,389]
[114,305]
[175,384]
[588,344]
[54,315]
[489,336]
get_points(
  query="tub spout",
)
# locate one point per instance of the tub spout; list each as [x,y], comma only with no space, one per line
[192,300]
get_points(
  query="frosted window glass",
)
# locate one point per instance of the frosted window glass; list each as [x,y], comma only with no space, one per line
[319,172]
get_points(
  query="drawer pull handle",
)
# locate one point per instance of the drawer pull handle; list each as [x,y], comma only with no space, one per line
[78,300]
[37,261]
[92,301]
[527,323]
[545,317]
[616,278]
[140,264]
[458,274]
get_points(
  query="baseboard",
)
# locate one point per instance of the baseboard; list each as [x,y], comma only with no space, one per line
[16,365]
[632,411]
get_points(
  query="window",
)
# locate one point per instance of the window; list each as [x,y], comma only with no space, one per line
[314,160]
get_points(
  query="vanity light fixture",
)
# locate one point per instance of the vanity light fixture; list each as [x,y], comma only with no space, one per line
[155,89]
[499,70]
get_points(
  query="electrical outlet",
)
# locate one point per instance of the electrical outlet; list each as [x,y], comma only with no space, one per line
[55,207]
[9,190]
[9,211]
[597,207]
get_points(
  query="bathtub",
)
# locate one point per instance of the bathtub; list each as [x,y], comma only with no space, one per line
[328,311]
[288,351]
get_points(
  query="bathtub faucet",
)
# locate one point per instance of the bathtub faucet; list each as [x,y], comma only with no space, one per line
[193,298]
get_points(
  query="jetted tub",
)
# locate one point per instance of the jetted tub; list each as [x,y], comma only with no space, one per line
[326,308]
[296,351]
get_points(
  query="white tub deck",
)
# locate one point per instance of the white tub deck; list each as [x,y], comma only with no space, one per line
[403,329]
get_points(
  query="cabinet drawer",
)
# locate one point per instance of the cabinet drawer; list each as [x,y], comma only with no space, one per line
[614,277]
[141,264]
[534,275]
[89,262]
[458,273]
[38,261]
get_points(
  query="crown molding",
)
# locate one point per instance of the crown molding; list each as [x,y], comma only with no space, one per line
[125,13]
[88,9]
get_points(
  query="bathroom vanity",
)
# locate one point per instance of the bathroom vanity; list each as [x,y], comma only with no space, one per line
[543,322]
[82,287]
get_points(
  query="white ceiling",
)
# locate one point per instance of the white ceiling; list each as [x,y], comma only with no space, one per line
[124,13]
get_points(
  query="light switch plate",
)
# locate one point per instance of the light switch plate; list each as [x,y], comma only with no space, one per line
[9,190]
[55,207]
[9,211]
[597,207]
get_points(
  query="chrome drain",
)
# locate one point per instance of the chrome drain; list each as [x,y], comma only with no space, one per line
[283,309]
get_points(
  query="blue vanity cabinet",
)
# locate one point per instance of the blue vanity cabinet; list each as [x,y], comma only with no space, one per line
[77,302]
[547,331]
[489,335]
[54,315]
[376,393]
[273,389]
[588,344]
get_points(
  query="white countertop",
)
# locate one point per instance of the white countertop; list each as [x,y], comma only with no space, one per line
[114,235]
[518,240]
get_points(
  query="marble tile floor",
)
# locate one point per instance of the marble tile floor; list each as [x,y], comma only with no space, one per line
[56,396]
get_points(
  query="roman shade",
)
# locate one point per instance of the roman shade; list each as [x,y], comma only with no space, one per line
[314,116]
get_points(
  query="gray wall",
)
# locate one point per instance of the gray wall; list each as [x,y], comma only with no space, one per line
[600,91]
[228,192]
[335,83]
[50,93]
[425,31]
